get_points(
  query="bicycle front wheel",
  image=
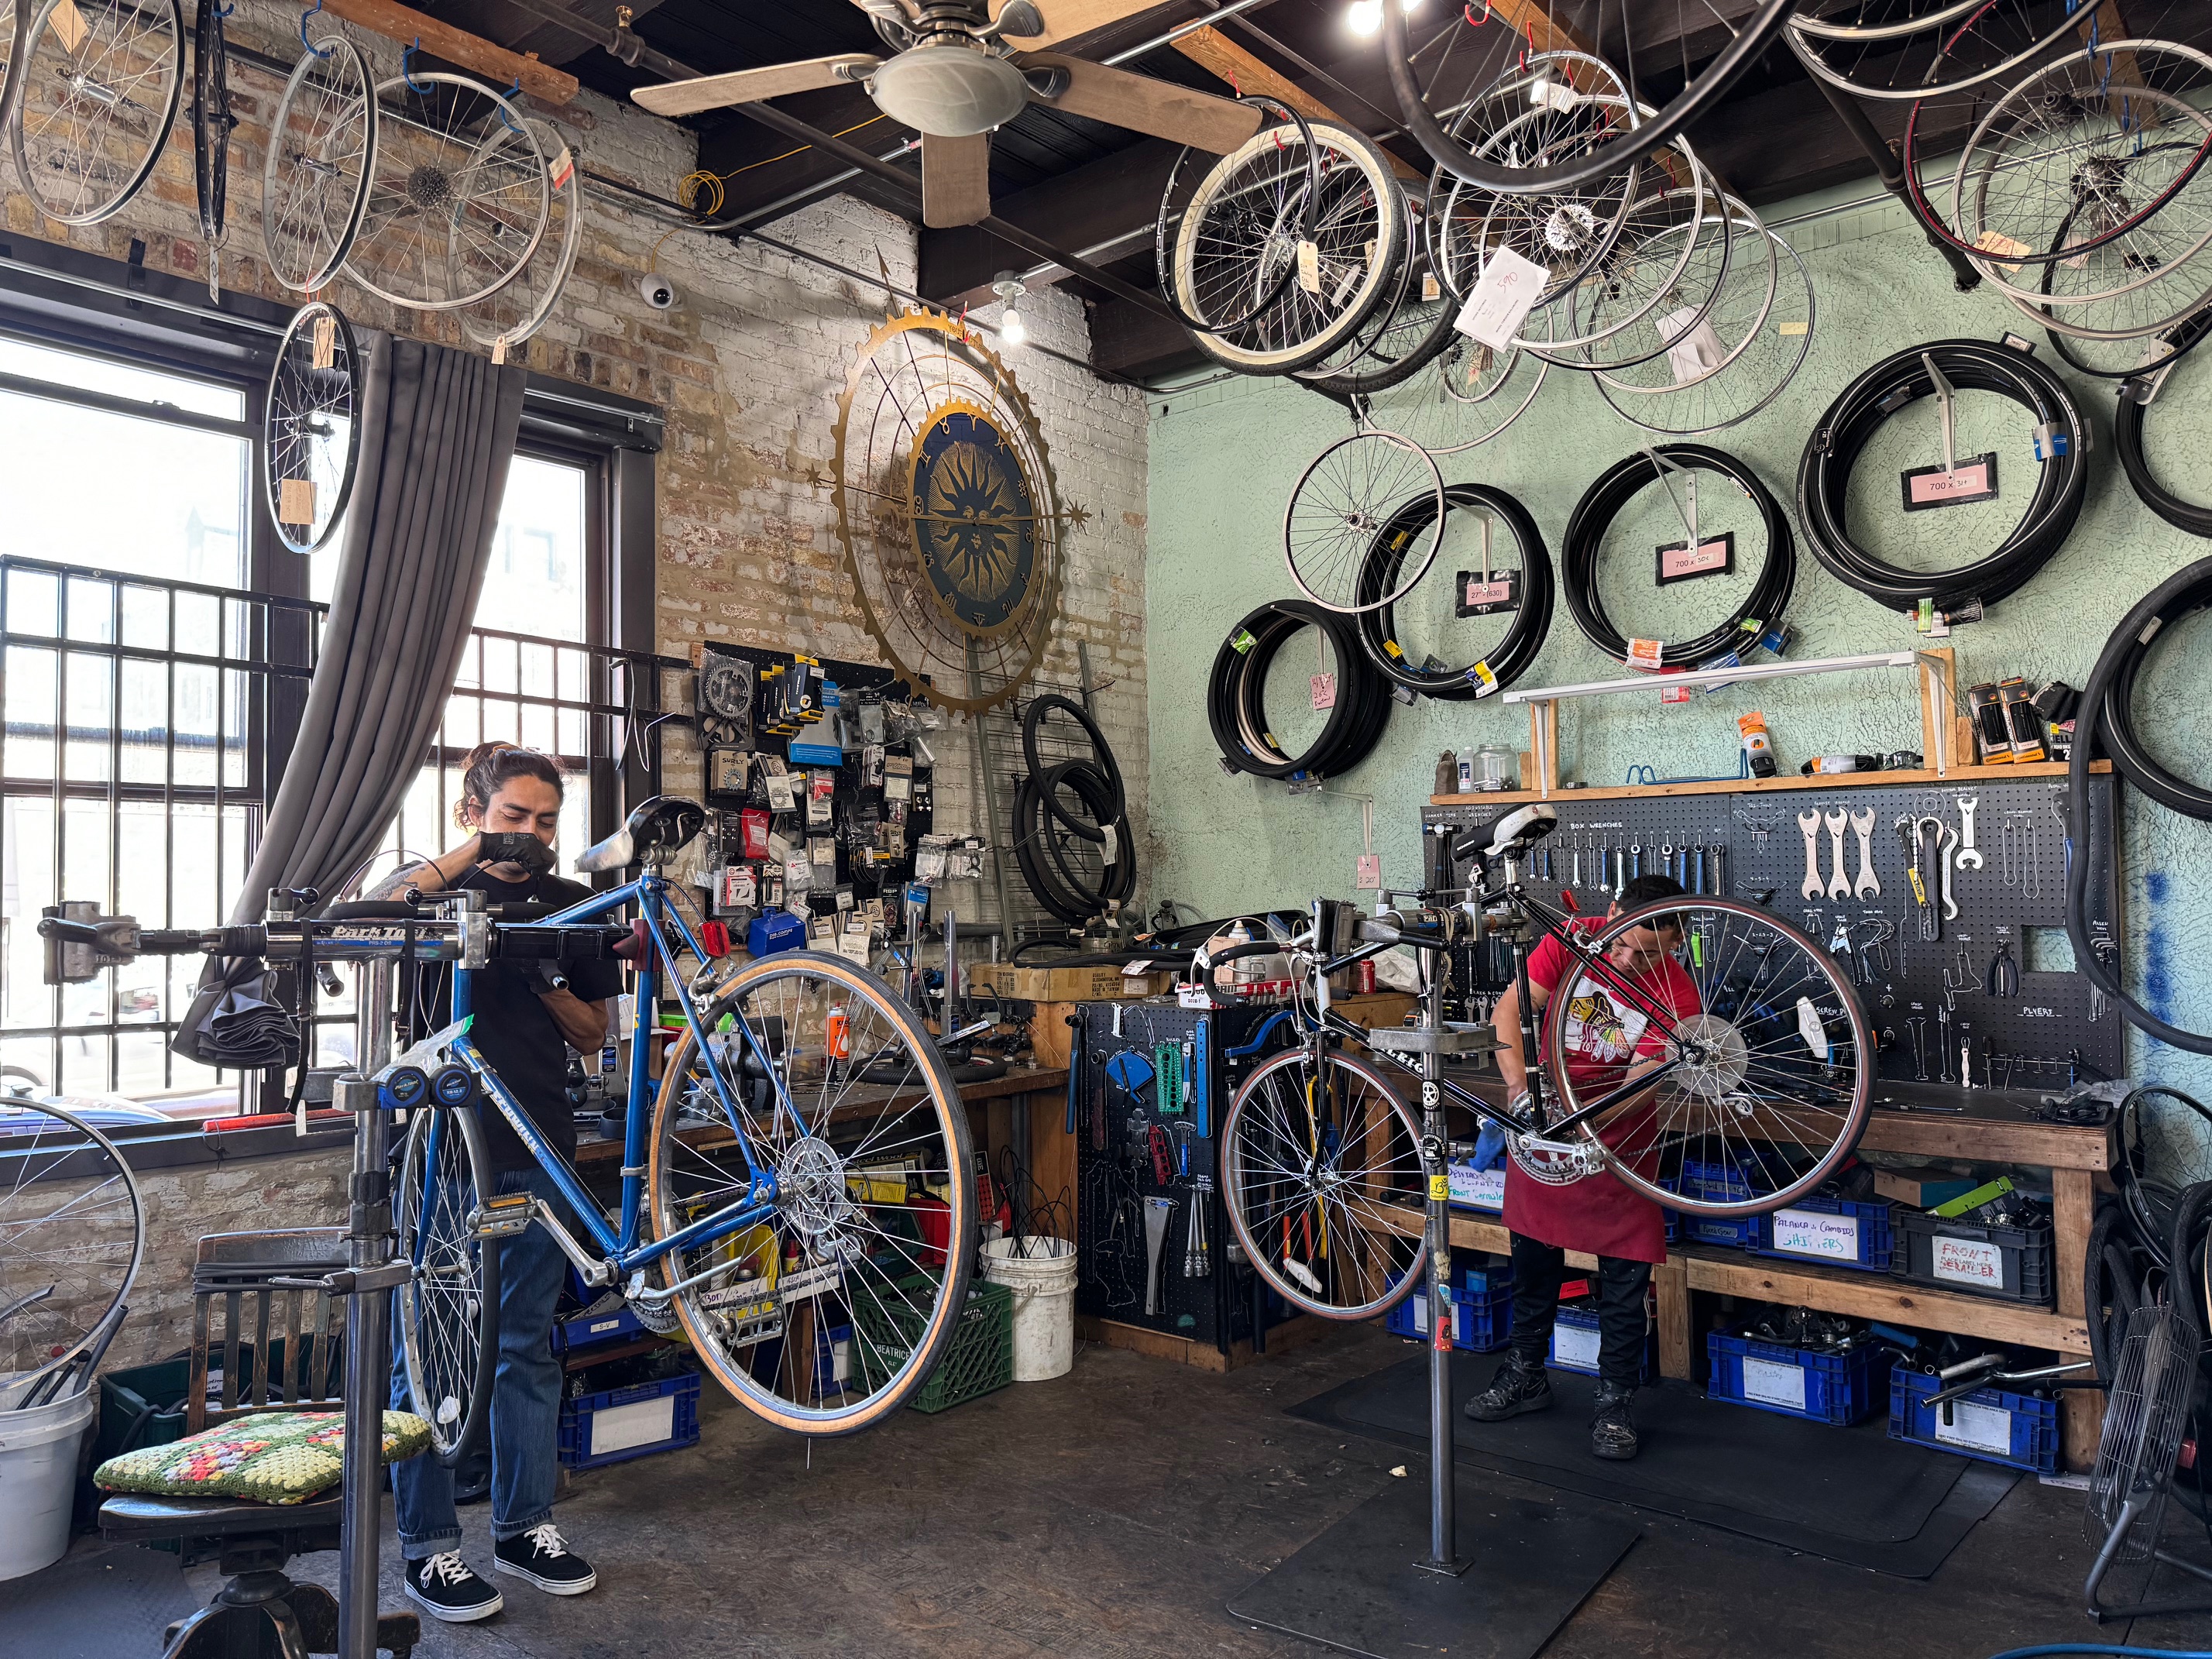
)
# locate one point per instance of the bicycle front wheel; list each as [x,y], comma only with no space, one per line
[1763,1063]
[449,1309]
[838,1096]
[1321,1177]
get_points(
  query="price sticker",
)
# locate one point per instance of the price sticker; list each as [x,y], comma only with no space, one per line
[295,500]
[1309,266]
[1324,691]
[1648,655]
[325,339]
[1370,872]
[564,169]
[69,25]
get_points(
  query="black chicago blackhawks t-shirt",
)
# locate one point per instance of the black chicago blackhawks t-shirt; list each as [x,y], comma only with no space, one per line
[512,1028]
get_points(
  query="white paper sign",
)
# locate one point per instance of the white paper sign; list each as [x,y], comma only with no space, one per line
[1480,1190]
[1502,300]
[1694,351]
[1977,1428]
[1773,1384]
[1574,1347]
[1969,1261]
[1808,1232]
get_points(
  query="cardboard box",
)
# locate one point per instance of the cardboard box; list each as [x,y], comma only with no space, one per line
[1920,1192]
[1102,984]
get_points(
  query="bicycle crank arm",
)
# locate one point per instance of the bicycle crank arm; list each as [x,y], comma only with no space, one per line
[1586,1156]
[511,1214]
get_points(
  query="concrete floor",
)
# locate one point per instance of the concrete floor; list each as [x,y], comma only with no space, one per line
[1111,1514]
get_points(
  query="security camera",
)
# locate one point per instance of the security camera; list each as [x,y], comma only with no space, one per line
[656,290]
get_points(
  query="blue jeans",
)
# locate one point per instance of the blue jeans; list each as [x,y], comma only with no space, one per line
[526,1398]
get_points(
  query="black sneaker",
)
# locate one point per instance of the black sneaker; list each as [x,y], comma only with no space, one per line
[1612,1431]
[540,1556]
[1517,1388]
[445,1585]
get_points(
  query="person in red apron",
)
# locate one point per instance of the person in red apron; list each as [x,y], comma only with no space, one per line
[1605,1044]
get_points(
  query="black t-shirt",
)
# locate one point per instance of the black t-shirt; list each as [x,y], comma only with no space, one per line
[515,1030]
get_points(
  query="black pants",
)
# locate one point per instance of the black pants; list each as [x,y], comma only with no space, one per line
[1621,1324]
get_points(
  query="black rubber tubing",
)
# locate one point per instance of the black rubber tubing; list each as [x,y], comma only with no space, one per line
[2128,438]
[1823,474]
[1524,638]
[2103,720]
[1601,503]
[1102,755]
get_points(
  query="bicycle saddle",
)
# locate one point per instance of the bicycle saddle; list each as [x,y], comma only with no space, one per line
[1509,834]
[652,835]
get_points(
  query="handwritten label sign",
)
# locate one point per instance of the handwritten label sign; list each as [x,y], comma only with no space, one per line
[1480,1189]
[1973,479]
[1976,1428]
[1969,1261]
[1713,556]
[1508,289]
[1808,1232]
[1574,1347]
[1773,1384]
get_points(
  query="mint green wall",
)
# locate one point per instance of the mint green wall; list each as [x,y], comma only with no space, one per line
[1225,457]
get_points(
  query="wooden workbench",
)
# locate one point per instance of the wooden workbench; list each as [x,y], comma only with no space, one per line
[1994,1127]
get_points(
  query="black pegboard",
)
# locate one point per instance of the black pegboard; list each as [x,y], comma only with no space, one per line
[1115,1173]
[2052,1029]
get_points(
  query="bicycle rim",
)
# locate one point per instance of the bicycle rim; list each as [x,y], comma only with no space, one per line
[449,1310]
[1323,1185]
[1780,1068]
[72,1236]
[874,1223]
[1346,497]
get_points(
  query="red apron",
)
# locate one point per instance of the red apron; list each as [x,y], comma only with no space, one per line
[1597,1214]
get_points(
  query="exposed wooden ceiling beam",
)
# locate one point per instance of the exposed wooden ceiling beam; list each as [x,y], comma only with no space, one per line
[1222,58]
[496,64]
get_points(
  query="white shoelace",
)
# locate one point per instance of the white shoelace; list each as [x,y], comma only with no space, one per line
[446,1569]
[547,1538]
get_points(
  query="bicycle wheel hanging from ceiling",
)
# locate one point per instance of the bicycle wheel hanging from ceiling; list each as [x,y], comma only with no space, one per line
[1881,50]
[1669,264]
[518,309]
[311,417]
[1340,503]
[458,198]
[948,518]
[1445,640]
[212,125]
[10,13]
[1493,45]
[321,155]
[2104,141]
[1321,202]
[1236,267]
[96,94]
[1470,394]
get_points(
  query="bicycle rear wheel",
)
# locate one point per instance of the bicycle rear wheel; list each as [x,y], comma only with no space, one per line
[449,1310]
[1768,1063]
[844,1101]
[1322,1180]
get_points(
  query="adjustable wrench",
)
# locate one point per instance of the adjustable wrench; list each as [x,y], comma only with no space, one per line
[1813,887]
[1969,859]
[1868,885]
[1839,884]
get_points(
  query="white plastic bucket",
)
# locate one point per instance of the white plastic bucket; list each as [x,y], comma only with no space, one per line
[38,1482]
[1041,1272]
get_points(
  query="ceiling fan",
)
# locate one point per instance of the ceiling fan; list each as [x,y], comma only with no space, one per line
[954,77]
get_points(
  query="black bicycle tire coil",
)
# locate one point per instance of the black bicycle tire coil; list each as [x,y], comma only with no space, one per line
[2104,721]
[2128,437]
[1236,710]
[1510,659]
[1058,886]
[1823,474]
[1601,503]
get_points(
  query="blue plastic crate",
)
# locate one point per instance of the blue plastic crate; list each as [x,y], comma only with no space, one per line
[1482,1320]
[1481,1272]
[1722,1178]
[1836,1232]
[2015,1429]
[625,1423]
[616,1325]
[1824,1387]
[1580,1325]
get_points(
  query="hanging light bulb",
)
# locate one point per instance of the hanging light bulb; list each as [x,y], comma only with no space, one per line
[1364,17]
[1012,332]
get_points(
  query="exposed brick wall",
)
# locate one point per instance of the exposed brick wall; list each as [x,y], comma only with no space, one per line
[748,366]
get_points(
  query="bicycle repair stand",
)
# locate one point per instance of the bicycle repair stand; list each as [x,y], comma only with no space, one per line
[371,1274]
[1366,1585]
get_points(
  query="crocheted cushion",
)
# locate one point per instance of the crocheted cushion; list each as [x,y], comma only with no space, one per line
[272,1457]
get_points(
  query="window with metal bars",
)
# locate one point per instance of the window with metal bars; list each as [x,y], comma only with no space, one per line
[156,644]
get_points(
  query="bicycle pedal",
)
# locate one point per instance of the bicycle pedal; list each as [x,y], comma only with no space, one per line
[504,1216]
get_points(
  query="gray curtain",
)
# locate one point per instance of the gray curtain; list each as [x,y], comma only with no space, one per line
[438,431]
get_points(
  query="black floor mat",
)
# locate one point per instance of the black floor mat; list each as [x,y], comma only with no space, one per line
[94,1604]
[1850,1495]
[1356,1587]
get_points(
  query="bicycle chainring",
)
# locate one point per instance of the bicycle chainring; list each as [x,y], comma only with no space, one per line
[1555,1163]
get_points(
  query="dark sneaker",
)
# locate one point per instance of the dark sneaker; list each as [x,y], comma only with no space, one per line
[445,1585]
[1515,1389]
[1612,1431]
[540,1556]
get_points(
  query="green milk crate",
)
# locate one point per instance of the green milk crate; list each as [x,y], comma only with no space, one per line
[978,1361]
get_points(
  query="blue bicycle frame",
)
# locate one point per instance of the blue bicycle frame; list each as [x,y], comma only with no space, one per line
[620,1249]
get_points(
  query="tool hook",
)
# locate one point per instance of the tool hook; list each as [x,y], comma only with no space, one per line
[320,52]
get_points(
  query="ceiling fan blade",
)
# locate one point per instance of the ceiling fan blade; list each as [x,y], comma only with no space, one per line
[753,85]
[956,181]
[1066,19]
[1144,105]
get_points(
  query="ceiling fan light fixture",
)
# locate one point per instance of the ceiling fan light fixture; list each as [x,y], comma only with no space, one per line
[948,88]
